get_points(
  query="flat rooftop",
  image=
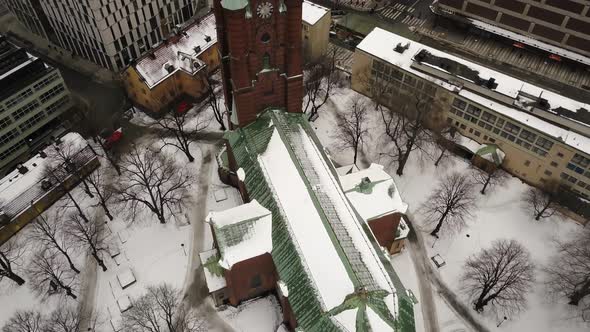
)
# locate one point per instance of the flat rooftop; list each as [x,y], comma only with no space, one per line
[382,44]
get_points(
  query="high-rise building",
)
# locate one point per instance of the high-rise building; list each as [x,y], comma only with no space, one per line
[30,13]
[33,95]
[562,23]
[110,33]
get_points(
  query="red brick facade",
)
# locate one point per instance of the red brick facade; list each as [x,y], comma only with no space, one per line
[385,228]
[261,58]
[251,278]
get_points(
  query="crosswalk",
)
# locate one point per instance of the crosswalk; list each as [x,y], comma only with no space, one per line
[401,12]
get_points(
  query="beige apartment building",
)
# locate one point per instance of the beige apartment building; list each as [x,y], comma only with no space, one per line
[316,22]
[544,135]
[562,23]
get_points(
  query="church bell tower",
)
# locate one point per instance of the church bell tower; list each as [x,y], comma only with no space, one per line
[260,45]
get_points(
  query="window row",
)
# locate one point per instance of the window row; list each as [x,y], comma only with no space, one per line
[5,122]
[9,136]
[32,121]
[580,160]
[47,80]
[28,108]
[51,93]
[57,104]
[20,97]
[508,130]
[8,152]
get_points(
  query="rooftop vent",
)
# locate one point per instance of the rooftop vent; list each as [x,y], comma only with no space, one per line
[207,38]
[399,48]
[169,67]
[22,169]
[42,154]
[197,49]
[543,104]
[491,83]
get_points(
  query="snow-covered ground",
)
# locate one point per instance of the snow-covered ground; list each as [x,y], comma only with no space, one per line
[14,298]
[258,315]
[499,214]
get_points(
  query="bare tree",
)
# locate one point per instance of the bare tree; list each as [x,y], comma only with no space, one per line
[11,253]
[161,310]
[49,273]
[152,180]
[176,124]
[67,159]
[213,101]
[407,127]
[66,318]
[25,321]
[569,271]
[55,174]
[104,191]
[352,127]
[541,201]
[500,276]
[488,178]
[320,77]
[48,232]
[446,139]
[450,204]
[87,235]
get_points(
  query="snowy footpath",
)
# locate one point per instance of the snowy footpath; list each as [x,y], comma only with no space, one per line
[499,215]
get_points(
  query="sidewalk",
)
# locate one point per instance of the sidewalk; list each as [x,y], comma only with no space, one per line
[20,35]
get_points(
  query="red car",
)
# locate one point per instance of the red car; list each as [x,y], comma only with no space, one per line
[113,138]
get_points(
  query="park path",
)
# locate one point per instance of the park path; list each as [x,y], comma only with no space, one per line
[428,277]
[196,292]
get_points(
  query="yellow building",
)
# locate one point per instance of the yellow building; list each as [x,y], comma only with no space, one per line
[174,71]
[544,135]
[316,22]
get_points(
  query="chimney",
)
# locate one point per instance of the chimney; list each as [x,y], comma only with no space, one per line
[22,169]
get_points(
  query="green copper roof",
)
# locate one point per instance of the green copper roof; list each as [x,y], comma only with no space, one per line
[234,4]
[247,144]
[492,153]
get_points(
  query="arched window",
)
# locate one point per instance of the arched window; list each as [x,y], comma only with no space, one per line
[266,61]
[265,38]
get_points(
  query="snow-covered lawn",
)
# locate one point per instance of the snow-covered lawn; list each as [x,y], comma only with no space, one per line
[14,298]
[500,214]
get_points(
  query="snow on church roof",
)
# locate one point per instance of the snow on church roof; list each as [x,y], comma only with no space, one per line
[179,53]
[373,192]
[327,270]
[288,173]
[242,232]
[381,44]
[312,13]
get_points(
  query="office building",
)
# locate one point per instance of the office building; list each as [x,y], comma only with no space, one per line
[316,21]
[544,135]
[33,96]
[112,33]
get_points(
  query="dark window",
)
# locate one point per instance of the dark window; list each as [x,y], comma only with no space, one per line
[265,38]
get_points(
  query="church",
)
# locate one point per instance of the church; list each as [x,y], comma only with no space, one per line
[299,234]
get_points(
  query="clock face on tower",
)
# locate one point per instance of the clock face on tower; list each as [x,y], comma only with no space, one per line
[264,10]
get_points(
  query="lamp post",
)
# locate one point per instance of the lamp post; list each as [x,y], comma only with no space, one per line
[184,250]
[433,243]
[502,321]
